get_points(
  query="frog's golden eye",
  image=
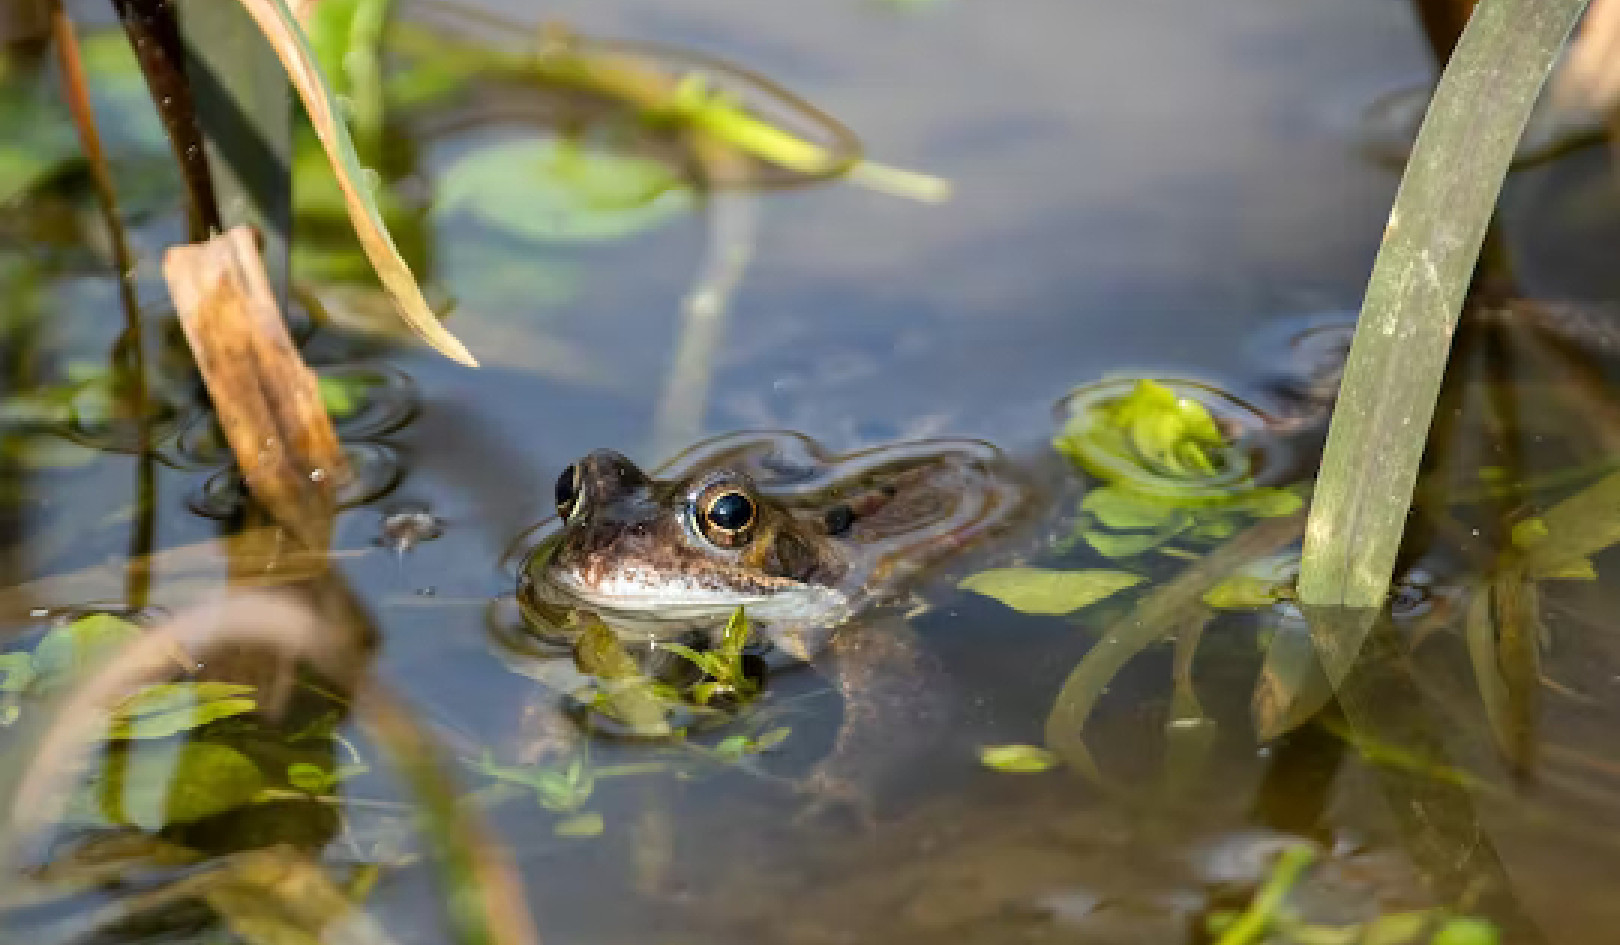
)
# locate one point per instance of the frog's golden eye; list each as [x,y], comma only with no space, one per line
[726,515]
[567,491]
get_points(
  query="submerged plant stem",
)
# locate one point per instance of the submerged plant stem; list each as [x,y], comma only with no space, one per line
[679,414]
[84,122]
[1430,246]
[1256,920]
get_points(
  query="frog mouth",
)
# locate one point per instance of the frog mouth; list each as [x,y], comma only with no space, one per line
[656,603]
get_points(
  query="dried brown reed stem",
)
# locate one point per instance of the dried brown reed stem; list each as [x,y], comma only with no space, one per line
[267,400]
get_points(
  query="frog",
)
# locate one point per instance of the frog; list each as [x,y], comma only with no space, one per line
[803,540]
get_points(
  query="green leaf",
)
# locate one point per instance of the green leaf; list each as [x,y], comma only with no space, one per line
[1017,759]
[1120,508]
[1580,569]
[1271,502]
[770,739]
[1466,930]
[171,708]
[1529,533]
[152,788]
[344,395]
[1242,592]
[558,190]
[1042,591]
[586,824]
[1214,528]
[557,788]
[1398,928]
[1125,544]
[69,649]
[16,671]
[310,778]
[732,747]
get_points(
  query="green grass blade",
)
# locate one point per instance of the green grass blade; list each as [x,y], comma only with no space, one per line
[1417,287]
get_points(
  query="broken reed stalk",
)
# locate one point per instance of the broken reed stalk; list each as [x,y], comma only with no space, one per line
[1422,272]
[267,400]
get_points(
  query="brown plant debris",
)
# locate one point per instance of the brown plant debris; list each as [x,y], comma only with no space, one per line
[266,398]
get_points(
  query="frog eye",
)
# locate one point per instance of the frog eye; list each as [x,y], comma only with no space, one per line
[567,491]
[726,514]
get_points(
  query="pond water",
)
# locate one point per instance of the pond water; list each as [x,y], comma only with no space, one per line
[1174,189]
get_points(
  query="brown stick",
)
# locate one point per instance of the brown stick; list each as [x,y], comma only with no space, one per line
[267,399]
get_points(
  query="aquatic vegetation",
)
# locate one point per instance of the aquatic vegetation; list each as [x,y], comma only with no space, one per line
[722,666]
[560,189]
[1043,591]
[1270,917]
[1168,468]
[1017,759]
[1414,296]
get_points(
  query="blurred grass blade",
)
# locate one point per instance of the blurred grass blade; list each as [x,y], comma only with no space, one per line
[1431,243]
[1169,608]
[484,894]
[292,47]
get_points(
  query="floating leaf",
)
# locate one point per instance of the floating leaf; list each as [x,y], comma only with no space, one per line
[1043,591]
[563,787]
[1397,928]
[171,708]
[75,646]
[16,671]
[557,189]
[151,789]
[344,395]
[1125,544]
[1529,533]
[1242,592]
[1272,502]
[1467,930]
[1151,439]
[1580,569]
[315,779]
[310,778]
[770,739]
[1120,508]
[587,824]
[1017,759]
[1215,528]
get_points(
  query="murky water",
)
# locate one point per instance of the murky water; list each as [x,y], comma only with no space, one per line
[1170,190]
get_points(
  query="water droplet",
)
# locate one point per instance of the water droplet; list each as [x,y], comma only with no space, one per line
[406,527]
